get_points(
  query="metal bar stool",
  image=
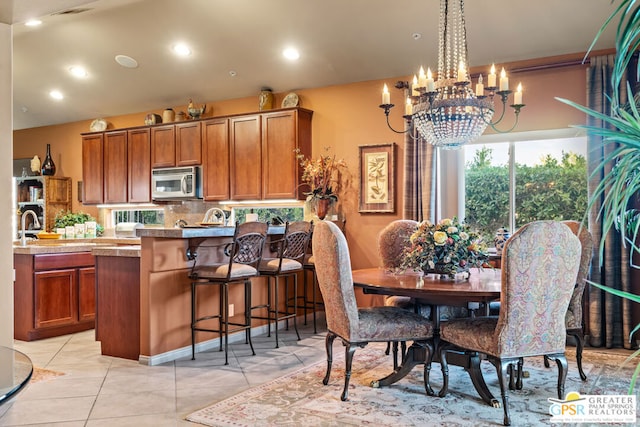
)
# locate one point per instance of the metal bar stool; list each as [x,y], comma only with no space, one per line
[244,254]
[290,252]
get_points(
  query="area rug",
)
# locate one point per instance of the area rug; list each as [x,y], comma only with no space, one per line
[41,374]
[300,398]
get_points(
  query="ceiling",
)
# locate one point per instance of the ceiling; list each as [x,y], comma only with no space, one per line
[340,41]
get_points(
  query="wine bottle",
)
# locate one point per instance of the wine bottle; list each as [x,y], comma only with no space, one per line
[48,167]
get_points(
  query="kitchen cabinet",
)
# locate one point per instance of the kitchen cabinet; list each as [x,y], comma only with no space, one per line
[283,132]
[139,165]
[215,154]
[245,160]
[92,169]
[54,196]
[176,145]
[163,146]
[188,144]
[115,166]
[54,294]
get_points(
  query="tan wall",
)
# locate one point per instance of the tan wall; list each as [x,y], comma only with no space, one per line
[345,117]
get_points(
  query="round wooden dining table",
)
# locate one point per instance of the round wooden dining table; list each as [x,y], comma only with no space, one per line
[480,287]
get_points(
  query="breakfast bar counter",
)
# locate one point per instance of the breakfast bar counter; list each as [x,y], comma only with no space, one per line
[165,289]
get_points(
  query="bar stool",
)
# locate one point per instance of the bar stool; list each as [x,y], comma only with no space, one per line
[244,254]
[291,250]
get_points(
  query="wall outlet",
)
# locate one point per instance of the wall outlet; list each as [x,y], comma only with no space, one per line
[231,310]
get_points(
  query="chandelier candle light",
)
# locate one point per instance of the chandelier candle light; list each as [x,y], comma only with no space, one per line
[448,113]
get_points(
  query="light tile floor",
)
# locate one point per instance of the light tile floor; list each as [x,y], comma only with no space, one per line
[105,391]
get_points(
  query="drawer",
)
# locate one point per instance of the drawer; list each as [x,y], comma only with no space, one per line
[65,260]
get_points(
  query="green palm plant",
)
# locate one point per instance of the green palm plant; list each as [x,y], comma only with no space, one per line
[621,184]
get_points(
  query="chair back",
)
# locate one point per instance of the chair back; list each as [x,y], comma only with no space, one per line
[573,319]
[333,269]
[393,239]
[247,245]
[539,265]
[296,240]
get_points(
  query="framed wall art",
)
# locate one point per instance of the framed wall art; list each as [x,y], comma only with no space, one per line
[377,183]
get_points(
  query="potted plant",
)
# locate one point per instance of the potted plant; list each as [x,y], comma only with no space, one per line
[621,184]
[68,218]
[320,175]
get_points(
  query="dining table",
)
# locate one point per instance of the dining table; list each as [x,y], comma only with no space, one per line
[475,290]
[15,372]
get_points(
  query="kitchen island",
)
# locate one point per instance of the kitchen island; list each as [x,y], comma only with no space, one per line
[165,290]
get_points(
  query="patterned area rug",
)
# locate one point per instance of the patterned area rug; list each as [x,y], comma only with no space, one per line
[300,398]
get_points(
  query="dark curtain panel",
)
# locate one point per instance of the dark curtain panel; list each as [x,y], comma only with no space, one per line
[419,194]
[609,316]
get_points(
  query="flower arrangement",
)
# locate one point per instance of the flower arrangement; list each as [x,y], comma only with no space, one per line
[447,247]
[320,175]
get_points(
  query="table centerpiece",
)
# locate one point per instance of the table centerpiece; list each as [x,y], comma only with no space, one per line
[446,248]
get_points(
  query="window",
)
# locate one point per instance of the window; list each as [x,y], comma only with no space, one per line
[143,216]
[530,177]
[269,213]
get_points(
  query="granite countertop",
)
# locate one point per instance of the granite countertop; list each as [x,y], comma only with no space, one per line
[56,246]
[132,251]
[194,232]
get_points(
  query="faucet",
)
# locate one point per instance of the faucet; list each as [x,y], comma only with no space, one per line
[36,223]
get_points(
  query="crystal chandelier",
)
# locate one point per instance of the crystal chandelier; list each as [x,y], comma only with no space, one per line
[447,112]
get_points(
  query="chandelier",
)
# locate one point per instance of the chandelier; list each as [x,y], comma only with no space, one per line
[447,112]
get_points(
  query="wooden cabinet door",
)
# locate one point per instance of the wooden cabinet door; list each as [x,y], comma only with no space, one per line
[55,299]
[86,293]
[246,165]
[279,163]
[163,146]
[215,150]
[92,172]
[188,144]
[115,167]
[139,168]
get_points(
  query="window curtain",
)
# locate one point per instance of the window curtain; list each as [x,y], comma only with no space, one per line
[609,322]
[419,181]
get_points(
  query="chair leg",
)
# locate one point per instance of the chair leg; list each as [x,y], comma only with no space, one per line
[269,305]
[247,314]
[275,308]
[329,346]
[577,334]
[295,304]
[348,360]
[503,367]
[388,349]
[193,321]
[395,355]
[561,361]
[225,316]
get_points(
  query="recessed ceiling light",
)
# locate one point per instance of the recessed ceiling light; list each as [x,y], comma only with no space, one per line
[78,71]
[291,53]
[56,94]
[181,49]
[33,22]
[233,73]
[126,61]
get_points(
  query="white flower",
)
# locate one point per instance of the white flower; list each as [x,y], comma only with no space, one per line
[452,230]
[464,236]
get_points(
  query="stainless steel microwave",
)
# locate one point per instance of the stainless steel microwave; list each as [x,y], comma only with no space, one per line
[176,183]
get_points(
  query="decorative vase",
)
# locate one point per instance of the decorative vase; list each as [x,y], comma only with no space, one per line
[502,235]
[322,207]
[48,167]
[168,115]
[266,99]
[447,271]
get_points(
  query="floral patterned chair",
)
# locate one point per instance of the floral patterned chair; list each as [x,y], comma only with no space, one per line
[573,319]
[539,266]
[392,240]
[357,327]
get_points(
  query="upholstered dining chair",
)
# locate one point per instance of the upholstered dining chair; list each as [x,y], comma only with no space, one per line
[539,265]
[243,255]
[288,262]
[392,240]
[357,327]
[573,319]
